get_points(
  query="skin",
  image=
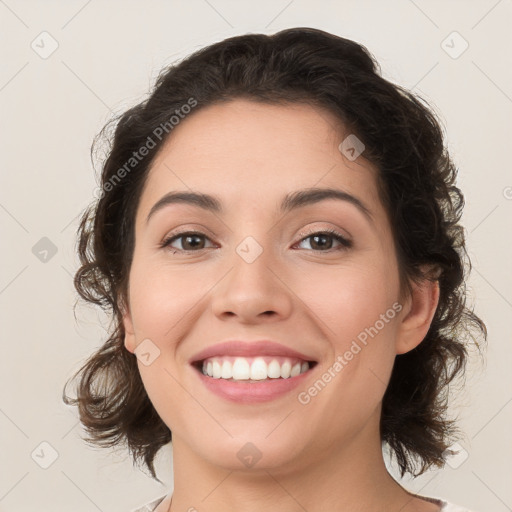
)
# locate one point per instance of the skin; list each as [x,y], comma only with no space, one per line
[325,455]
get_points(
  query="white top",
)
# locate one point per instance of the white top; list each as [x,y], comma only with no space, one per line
[450,507]
[445,506]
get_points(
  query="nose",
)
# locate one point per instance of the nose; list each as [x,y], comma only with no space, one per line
[253,292]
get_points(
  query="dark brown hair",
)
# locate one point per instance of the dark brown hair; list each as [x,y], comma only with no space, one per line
[416,179]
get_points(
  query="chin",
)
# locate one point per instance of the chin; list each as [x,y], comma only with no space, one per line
[253,452]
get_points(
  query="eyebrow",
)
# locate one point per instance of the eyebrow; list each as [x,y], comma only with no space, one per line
[291,201]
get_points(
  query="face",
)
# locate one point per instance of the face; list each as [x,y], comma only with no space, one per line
[319,278]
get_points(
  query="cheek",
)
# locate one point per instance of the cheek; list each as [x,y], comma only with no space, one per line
[356,308]
[164,300]
[166,303]
[347,299]
[162,304]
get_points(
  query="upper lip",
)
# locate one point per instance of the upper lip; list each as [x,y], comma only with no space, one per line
[248,349]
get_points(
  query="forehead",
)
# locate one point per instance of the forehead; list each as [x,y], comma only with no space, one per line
[250,153]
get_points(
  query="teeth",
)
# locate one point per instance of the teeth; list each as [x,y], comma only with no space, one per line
[216,370]
[274,369]
[286,369]
[240,368]
[227,370]
[295,370]
[258,369]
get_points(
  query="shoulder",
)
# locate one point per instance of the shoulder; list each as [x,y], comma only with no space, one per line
[450,507]
[151,506]
[445,506]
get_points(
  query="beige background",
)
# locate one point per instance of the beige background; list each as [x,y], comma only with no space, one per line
[108,54]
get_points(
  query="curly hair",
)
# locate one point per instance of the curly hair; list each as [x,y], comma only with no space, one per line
[403,138]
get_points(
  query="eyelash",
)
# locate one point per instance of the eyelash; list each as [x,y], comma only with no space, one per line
[345,244]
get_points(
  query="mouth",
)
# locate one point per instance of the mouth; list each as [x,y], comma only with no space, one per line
[246,381]
[252,369]
[245,372]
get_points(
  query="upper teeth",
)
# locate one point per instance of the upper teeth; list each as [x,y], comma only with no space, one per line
[259,368]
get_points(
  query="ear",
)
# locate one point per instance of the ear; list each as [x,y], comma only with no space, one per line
[129,334]
[417,316]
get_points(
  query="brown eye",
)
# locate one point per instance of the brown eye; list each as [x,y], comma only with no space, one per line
[191,241]
[324,240]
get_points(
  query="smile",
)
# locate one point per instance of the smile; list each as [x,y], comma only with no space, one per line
[253,368]
[247,380]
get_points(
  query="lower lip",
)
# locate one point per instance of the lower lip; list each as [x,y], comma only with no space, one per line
[252,392]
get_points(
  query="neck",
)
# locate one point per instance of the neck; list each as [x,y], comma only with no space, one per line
[351,478]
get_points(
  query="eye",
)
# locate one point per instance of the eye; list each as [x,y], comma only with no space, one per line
[192,241]
[322,241]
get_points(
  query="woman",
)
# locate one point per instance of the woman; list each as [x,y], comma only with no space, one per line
[277,238]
